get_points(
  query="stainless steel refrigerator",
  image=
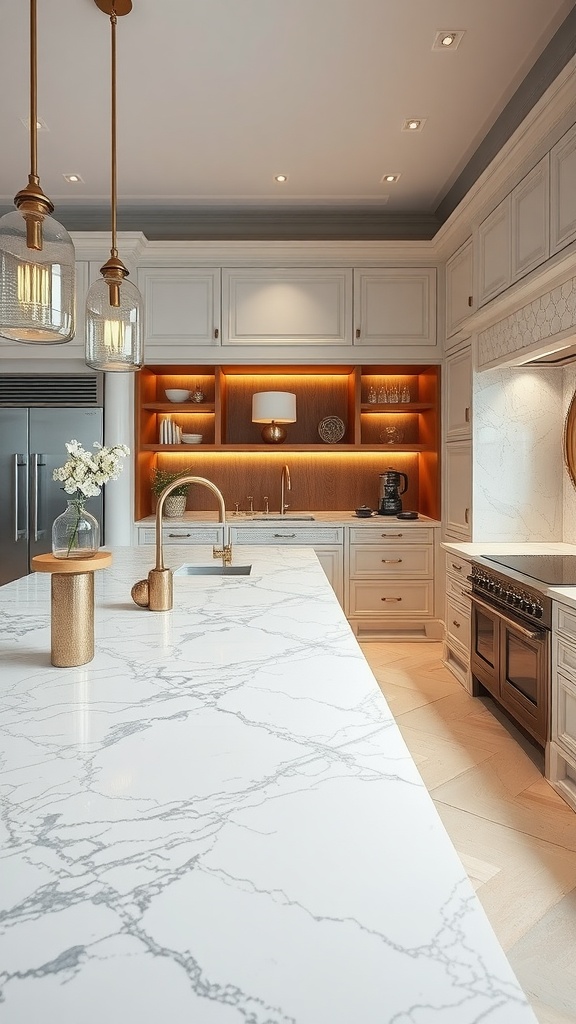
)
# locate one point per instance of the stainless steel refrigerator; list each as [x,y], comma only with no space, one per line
[32,445]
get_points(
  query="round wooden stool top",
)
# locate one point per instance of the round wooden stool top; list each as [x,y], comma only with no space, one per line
[48,563]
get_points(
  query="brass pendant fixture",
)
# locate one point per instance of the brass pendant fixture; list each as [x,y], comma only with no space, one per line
[114,315]
[37,272]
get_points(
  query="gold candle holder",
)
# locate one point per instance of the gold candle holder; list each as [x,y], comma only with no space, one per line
[71,606]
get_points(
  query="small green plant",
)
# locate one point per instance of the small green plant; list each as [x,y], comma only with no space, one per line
[162,477]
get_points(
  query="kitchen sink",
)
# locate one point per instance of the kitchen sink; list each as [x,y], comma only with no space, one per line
[213,570]
[282,519]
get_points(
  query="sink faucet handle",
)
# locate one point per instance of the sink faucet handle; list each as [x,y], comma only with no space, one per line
[266,508]
[251,506]
[236,507]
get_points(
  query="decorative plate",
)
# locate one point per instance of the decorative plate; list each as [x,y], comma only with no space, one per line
[331,429]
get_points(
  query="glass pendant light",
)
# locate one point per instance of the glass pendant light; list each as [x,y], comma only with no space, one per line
[37,270]
[114,319]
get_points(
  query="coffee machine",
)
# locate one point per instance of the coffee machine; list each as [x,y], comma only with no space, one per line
[390,502]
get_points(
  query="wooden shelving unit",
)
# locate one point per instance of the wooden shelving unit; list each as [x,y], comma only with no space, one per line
[404,435]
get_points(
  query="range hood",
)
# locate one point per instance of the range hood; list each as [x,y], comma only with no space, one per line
[558,353]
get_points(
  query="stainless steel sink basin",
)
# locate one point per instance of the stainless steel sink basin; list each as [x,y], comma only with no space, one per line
[213,570]
[282,519]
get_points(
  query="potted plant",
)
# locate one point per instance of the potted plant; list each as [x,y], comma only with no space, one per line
[175,503]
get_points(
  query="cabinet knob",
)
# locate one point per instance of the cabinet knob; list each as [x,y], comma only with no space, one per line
[357,332]
[470,300]
[216,332]
[454,623]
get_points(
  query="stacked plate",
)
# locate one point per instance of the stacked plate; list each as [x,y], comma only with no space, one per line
[192,438]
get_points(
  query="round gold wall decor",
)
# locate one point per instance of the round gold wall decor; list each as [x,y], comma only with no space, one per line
[570,440]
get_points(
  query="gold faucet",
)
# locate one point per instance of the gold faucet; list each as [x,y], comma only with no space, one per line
[285,485]
[157,592]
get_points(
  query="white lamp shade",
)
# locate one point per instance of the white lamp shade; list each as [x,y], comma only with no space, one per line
[273,406]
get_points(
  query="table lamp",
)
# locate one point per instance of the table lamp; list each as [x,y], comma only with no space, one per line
[273,408]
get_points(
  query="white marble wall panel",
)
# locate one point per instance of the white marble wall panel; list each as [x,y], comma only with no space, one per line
[518,475]
[547,317]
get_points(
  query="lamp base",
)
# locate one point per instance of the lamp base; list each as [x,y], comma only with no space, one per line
[273,433]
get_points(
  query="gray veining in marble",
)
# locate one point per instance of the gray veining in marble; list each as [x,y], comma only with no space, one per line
[217,821]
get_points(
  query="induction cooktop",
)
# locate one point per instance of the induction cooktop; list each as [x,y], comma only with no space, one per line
[557,570]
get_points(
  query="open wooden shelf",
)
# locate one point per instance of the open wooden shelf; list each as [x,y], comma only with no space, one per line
[230,437]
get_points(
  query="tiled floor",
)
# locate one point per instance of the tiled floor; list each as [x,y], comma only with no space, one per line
[515,836]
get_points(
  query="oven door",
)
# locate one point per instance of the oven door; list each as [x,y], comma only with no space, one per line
[511,660]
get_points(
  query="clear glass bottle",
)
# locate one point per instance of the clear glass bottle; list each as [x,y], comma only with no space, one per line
[382,395]
[372,396]
[393,394]
[405,394]
[75,532]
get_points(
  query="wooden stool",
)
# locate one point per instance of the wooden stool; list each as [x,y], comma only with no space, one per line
[72,605]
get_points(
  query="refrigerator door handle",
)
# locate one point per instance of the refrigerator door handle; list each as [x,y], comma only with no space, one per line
[37,461]
[20,532]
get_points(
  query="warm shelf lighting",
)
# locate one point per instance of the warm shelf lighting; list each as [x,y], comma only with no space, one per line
[114,317]
[37,271]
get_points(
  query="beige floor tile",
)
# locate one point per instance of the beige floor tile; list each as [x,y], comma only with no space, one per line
[556,933]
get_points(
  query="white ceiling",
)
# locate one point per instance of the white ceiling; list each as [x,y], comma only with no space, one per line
[215,97]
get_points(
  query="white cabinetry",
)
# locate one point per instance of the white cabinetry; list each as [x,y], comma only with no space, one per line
[457,619]
[458,490]
[458,381]
[327,541]
[395,307]
[530,220]
[267,306]
[561,751]
[494,242]
[563,191]
[182,310]
[391,582]
[179,534]
[459,291]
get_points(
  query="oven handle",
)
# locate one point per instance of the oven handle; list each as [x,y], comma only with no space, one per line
[529,634]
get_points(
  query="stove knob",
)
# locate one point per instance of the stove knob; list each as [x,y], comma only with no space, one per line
[523,606]
[538,611]
[510,597]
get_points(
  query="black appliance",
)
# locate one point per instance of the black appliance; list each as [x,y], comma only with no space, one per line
[510,649]
[556,570]
[390,502]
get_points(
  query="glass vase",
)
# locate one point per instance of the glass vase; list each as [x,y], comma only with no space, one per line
[75,532]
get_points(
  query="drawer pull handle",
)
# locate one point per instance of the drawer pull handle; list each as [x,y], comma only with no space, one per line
[284,534]
[457,568]
[179,534]
[454,623]
[391,561]
[467,414]
[391,534]
[390,598]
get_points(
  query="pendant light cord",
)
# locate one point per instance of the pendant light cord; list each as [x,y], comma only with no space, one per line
[33,95]
[113,20]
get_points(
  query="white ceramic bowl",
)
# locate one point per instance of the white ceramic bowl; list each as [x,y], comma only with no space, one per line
[177,395]
[191,438]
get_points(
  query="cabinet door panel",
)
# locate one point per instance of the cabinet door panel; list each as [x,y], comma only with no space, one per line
[182,308]
[494,253]
[395,307]
[459,289]
[530,220]
[458,370]
[292,306]
[563,192]
[458,489]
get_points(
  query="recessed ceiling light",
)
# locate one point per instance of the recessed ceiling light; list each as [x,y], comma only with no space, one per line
[447,39]
[414,124]
[390,177]
[280,177]
[73,178]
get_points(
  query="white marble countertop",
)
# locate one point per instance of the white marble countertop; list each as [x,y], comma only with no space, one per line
[477,549]
[293,517]
[217,821]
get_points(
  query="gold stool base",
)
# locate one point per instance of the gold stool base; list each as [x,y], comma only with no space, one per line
[72,619]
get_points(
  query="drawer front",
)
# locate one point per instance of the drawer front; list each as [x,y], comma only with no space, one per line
[395,598]
[392,560]
[393,532]
[458,623]
[564,714]
[457,566]
[458,588]
[565,657]
[565,620]
[287,535]
[182,535]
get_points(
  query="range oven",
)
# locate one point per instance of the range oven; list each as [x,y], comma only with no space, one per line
[510,648]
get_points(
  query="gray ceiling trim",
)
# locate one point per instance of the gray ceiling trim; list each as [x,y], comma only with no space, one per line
[552,60]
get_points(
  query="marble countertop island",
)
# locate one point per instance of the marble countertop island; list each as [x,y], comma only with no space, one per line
[217,821]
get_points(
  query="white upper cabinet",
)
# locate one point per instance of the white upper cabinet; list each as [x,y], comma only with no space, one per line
[563,192]
[459,289]
[181,309]
[494,252]
[531,220]
[290,306]
[458,490]
[395,307]
[458,381]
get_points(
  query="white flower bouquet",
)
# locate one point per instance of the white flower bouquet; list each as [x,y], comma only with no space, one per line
[85,473]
